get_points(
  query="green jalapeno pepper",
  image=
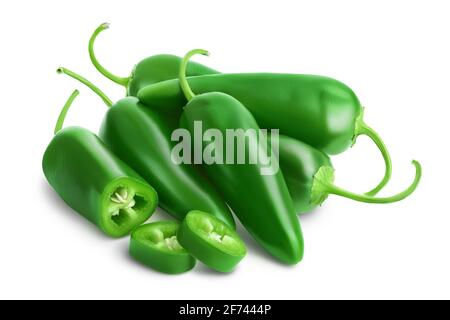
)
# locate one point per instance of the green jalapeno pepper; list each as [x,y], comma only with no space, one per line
[142,138]
[211,241]
[150,70]
[156,246]
[261,202]
[94,182]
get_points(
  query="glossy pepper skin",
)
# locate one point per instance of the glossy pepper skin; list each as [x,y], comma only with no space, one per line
[299,163]
[97,184]
[141,137]
[156,246]
[150,70]
[261,202]
[320,111]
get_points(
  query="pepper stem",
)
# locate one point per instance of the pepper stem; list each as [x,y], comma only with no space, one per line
[182,73]
[362,128]
[89,84]
[63,113]
[96,63]
[323,186]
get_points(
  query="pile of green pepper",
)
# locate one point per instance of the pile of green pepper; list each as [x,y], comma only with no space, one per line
[117,178]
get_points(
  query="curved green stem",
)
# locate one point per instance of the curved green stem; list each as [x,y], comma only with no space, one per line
[86,82]
[362,128]
[63,113]
[182,73]
[96,63]
[399,196]
[323,186]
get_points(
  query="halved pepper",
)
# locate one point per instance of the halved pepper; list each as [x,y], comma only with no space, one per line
[155,245]
[211,241]
[142,138]
[94,182]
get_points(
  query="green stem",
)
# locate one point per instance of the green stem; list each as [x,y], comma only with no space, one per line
[363,129]
[182,73]
[96,63]
[364,198]
[323,186]
[89,84]
[63,113]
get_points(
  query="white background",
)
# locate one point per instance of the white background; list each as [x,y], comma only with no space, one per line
[394,54]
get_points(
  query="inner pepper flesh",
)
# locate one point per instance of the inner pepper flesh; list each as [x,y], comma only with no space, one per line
[124,205]
[215,234]
[168,241]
